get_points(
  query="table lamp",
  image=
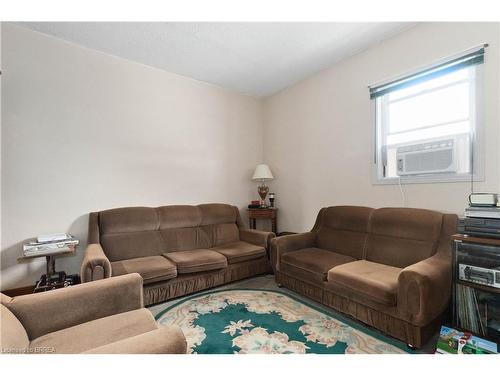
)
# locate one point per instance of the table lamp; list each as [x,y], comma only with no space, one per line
[262,173]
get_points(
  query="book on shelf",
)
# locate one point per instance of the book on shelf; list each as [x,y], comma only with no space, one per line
[468,311]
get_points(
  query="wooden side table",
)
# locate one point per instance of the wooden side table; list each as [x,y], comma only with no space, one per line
[263,213]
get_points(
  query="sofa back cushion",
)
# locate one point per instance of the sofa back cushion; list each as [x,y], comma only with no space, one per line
[13,336]
[400,237]
[122,246]
[133,232]
[180,228]
[130,232]
[343,229]
[220,223]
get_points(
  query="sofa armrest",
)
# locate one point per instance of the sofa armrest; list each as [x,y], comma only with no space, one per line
[283,244]
[257,237]
[164,340]
[42,313]
[95,264]
[424,289]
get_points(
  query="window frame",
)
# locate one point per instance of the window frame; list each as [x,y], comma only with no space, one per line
[477,143]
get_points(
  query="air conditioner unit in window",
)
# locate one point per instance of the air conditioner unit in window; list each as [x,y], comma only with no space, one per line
[427,158]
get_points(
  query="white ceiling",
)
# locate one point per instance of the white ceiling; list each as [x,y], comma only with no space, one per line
[257,59]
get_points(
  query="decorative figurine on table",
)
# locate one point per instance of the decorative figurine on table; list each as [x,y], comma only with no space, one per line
[271,199]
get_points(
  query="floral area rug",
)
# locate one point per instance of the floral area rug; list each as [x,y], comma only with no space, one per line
[261,322]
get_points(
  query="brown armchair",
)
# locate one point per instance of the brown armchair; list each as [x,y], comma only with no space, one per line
[105,316]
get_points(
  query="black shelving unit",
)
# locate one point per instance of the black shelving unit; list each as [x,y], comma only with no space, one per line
[476,305]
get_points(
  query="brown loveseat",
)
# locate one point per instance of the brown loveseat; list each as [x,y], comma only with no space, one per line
[389,268]
[176,249]
[105,317]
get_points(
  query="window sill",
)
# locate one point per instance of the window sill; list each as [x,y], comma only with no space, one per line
[429,179]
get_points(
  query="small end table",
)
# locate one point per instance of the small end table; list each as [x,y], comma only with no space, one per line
[53,279]
[263,213]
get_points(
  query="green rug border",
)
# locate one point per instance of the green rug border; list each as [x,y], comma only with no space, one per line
[335,315]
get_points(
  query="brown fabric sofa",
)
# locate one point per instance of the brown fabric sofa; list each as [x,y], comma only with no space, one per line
[176,249]
[105,317]
[389,268]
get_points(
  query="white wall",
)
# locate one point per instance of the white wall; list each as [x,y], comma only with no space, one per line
[85,131]
[318,133]
[1,174]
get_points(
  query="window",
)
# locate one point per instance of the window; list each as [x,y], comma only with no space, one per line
[425,123]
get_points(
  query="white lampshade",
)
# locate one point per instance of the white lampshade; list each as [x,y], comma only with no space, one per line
[262,173]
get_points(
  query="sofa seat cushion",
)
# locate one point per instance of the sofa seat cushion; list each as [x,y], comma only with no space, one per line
[198,260]
[240,251]
[374,281]
[97,332]
[312,263]
[152,269]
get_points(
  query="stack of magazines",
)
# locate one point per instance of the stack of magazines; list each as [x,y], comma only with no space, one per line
[50,244]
